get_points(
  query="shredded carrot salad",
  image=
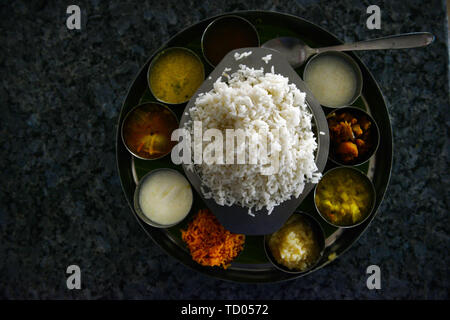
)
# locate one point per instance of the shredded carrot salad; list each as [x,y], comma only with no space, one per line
[209,243]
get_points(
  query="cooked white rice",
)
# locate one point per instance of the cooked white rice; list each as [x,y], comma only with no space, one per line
[256,101]
[267,58]
[239,56]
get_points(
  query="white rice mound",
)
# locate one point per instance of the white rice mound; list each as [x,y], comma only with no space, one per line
[252,100]
[238,56]
[267,58]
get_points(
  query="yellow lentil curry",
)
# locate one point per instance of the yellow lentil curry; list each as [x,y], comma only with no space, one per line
[343,197]
[176,75]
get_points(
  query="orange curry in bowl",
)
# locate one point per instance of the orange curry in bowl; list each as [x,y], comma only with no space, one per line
[353,136]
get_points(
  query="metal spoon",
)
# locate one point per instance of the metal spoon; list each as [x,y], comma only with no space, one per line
[297,52]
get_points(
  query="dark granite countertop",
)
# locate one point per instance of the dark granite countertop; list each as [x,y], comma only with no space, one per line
[61,199]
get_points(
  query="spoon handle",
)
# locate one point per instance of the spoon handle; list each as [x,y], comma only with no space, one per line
[400,41]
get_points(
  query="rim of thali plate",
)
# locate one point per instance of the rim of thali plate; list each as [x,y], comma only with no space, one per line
[235,275]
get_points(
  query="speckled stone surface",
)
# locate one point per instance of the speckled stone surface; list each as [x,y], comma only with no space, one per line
[61,199]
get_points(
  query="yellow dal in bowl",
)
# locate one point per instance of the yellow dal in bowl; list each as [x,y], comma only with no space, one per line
[175,75]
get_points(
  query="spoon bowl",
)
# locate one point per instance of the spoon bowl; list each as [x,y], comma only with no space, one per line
[294,50]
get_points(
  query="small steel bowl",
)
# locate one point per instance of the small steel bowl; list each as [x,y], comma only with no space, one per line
[375,135]
[147,105]
[157,57]
[371,190]
[320,238]
[137,207]
[351,62]
[209,32]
